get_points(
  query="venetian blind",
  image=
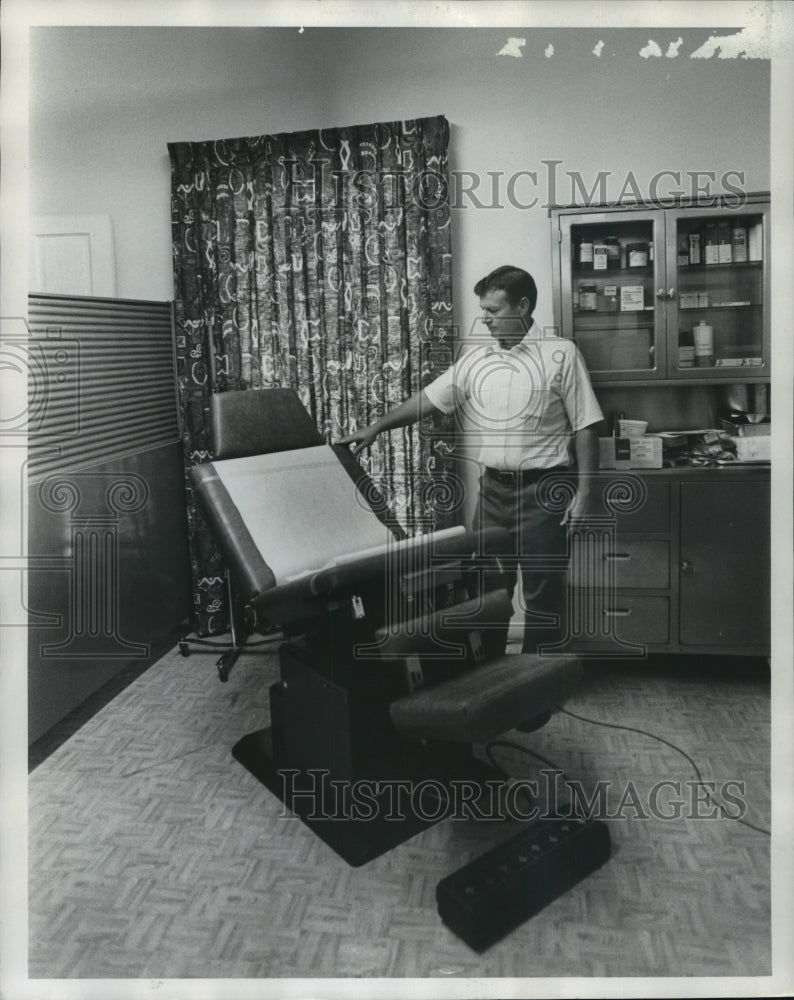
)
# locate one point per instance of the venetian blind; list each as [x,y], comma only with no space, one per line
[101,380]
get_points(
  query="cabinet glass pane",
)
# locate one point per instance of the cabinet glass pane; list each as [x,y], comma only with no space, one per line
[720,270]
[612,284]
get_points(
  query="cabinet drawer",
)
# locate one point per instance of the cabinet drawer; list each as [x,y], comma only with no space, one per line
[652,515]
[602,624]
[636,562]
[637,619]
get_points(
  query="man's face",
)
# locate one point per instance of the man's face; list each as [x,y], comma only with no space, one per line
[506,322]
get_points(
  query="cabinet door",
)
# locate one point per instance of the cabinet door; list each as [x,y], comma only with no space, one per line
[611,277]
[725,564]
[718,294]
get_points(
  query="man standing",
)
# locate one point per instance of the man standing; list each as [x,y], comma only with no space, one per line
[529,397]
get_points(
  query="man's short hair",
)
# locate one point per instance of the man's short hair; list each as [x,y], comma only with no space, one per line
[515,282]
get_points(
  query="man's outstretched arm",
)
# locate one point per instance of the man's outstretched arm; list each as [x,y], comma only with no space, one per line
[414,408]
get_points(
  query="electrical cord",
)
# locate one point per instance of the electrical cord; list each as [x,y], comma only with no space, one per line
[512,745]
[661,739]
[168,760]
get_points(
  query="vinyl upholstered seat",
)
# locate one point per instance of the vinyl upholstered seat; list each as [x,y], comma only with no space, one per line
[479,705]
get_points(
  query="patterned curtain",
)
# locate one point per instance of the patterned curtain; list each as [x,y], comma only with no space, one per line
[318,260]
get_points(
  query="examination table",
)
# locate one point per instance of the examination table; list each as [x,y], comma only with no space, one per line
[392,659]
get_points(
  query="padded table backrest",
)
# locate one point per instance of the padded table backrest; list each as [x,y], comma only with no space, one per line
[258,422]
[300,508]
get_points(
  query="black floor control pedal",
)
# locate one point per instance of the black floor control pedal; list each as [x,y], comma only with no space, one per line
[495,893]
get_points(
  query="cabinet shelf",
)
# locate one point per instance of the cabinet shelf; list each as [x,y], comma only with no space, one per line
[625,272]
[623,321]
[640,378]
[740,264]
[720,307]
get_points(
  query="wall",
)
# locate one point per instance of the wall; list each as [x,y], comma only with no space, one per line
[105,102]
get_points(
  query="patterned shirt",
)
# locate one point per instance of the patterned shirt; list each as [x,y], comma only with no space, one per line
[524,403]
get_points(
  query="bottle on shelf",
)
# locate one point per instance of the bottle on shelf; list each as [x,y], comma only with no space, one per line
[686,349]
[682,256]
[585,254]
[711,248]
[724,252]
[613,252]
[739,243]
[703,337]
[755,241]
[600,256]
[695,249]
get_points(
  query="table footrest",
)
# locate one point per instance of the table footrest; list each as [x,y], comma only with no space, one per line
[497,892]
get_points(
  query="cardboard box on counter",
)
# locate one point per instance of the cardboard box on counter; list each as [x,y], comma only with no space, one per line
[746,430]
[630,453]
[753,449]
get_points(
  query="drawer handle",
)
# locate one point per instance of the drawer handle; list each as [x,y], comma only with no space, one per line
[687,567]
[617,556]
[617,612]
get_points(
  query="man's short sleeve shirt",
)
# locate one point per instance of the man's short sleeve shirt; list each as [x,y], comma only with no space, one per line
[524,404]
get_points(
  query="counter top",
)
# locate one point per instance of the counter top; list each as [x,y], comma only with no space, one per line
[737,469]
[741,470]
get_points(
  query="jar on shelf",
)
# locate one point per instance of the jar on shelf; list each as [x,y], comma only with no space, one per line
[637,255]
[608,298]
[588,298]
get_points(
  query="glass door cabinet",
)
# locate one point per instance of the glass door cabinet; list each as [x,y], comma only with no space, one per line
[652,294]
[718,293]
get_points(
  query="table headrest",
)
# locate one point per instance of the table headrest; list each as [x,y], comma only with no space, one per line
[260,421]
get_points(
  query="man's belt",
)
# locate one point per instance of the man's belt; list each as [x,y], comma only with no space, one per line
[513,479]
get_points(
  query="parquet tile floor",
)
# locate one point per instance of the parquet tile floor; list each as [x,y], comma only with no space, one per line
[154,854]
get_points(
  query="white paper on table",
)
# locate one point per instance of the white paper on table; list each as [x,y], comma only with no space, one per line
[305,513]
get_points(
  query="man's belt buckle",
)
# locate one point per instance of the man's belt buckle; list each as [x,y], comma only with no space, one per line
[507,477]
